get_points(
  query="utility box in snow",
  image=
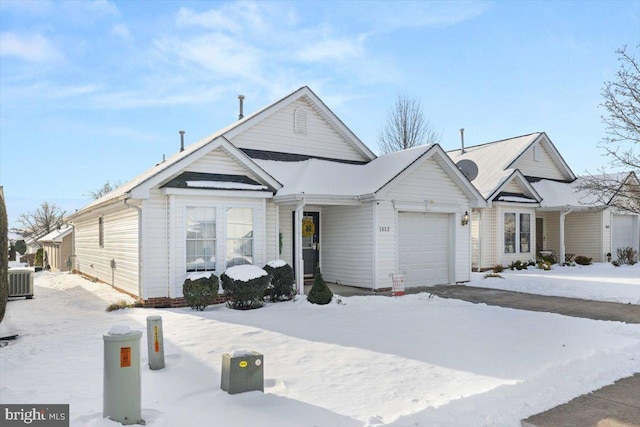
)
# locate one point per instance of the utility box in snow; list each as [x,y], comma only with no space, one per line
[121,394]
[155,342]
[242,371]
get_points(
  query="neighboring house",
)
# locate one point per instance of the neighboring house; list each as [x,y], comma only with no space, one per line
[57,248]
[290,181]
[534,206]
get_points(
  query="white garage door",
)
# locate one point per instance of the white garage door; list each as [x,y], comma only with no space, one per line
[423,248]
[623,233]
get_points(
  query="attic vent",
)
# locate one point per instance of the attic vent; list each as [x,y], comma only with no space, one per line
[536,153]
[300,121]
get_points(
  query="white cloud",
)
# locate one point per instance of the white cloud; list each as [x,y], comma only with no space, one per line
[29,47]
[333,49]
[121,30]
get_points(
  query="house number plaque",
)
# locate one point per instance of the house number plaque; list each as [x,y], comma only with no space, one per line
[383,229]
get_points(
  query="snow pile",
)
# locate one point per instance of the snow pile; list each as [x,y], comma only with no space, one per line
[244,273]
[375,361]
[240,353]
[199,275]
[119,330]
[277,263]
[600,282]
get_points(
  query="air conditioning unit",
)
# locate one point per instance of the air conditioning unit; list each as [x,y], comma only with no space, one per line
[21,282]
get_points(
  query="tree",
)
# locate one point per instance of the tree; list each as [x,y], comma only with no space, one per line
[406,127]
[621,100]
[320,292]
[105,189]
[4,260]
[21,247]
[42,221]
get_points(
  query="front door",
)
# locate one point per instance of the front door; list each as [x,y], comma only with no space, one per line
[310,242]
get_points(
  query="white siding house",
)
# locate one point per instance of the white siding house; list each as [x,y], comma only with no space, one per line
[243,194]
[535,203]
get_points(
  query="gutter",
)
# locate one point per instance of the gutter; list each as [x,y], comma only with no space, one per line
[139,209]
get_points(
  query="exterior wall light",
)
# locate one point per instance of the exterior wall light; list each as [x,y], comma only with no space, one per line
[465,218]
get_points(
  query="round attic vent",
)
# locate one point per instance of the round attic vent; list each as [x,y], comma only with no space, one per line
[468,168]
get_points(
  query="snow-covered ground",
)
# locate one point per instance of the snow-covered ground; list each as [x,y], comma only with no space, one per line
[600,281]
[363,361]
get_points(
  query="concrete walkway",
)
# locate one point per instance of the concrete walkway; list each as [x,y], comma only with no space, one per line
[616,405]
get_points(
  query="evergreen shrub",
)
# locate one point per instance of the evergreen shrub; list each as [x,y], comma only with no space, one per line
[583,260]
[320,292]
[281,284]
[241,293]
[199,292]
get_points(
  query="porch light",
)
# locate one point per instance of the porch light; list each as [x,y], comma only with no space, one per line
[465,218]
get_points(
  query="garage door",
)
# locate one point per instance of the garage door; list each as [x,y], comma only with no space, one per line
[424,248]
[623,233]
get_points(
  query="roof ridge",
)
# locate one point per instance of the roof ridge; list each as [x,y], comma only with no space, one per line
[495,142]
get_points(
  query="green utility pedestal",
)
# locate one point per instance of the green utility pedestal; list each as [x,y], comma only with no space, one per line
[242,371]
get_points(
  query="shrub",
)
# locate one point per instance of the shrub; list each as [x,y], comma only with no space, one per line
[583,260]
[498,268]
[39,257]
[496,275]
[245,286]
[320,292]
[122,304]
[200,290]
[615,263]
[550,259]
[544,265]
[281,284]
[518,265]
[21,247]
[627,255]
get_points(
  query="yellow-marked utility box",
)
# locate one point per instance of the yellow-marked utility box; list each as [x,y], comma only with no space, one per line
[242,371]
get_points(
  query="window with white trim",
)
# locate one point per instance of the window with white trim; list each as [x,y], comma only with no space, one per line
[239,236]
[201,238]
[517,232]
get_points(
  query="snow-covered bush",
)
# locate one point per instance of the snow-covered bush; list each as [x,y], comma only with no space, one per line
[200,289]
[245,286]
[627,256]
[583,260]
[320,292]
[281,284]
[544,265]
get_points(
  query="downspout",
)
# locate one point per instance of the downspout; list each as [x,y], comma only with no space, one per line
[565,211]
[298,243]
[139,209]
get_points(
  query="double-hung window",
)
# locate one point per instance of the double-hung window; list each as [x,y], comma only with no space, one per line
[239,236]
[201,238]
[517,232]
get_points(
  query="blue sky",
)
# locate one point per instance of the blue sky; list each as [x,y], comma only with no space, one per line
[97,90]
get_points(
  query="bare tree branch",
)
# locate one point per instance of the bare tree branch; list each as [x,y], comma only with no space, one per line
[45,218]
[105,189]
[621,100]
[406,127]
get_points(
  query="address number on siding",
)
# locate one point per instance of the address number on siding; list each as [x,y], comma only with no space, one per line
[383,229]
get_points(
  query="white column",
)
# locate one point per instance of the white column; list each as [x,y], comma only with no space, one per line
[566,211]
[298,244]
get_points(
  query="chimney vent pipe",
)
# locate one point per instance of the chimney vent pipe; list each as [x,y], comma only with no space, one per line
[462,140]
[241,99]
[181,140]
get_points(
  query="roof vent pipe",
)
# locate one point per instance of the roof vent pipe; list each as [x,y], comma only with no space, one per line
[181,140]
[240,99]
[462,140]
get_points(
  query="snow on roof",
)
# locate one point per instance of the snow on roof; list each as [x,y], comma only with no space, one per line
[57,235]
[556,194]
[323,177]
[493,160]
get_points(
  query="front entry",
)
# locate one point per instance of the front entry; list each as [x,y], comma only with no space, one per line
[310,242]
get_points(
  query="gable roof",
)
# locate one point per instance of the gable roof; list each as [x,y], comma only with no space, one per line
[326,179]
[527,195]
[139,186]
[56,236]
[496,160]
